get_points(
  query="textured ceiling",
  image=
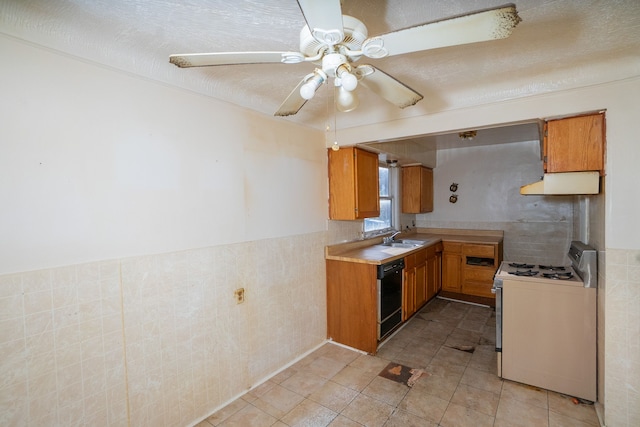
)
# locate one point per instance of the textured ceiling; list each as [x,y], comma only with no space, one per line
[559,45]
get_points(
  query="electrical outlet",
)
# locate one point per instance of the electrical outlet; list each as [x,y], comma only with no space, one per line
[239,295]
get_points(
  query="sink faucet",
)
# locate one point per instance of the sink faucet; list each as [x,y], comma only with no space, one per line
[389,239]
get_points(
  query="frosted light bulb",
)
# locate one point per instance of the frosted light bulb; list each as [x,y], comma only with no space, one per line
[308,90]
[346,101]
[349,81]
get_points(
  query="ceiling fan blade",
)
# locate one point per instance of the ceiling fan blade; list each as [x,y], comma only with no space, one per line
[324,19]
[491,24]
[386,86]
[234,58]
[293,103]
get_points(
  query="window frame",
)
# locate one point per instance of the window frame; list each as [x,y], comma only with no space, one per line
[392,187]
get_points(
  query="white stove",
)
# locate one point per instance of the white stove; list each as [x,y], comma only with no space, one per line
[546,323]
[564,275]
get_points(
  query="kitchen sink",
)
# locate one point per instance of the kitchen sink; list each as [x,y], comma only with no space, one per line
[403,244]
[413,242]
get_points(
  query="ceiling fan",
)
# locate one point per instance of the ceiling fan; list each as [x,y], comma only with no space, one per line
[334,42]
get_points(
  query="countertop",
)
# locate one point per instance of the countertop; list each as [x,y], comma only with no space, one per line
[371,251]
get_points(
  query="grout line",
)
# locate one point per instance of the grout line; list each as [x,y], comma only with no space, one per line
[124,345]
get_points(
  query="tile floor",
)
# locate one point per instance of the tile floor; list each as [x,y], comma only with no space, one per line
[453,343]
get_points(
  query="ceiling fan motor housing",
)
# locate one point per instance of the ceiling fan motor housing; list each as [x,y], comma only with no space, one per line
[355,33]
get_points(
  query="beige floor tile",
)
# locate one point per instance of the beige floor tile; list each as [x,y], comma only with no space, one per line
[342,421]
[452,356]
[516,413]
[461,416]
[416,357]
[563,405]
[442,386]
[259,391]
[309,414]
[304,383]
[339,354]
[355,378]
[558,420]
[477,399]
[385,390]
[368,411]
[333,396]
[369,363]
[325,367]
[249,416]
[401,418]
[283,375]
[278,401]
[335,386]
[224,413]
[482,380]
[424,405]
[525,393]
[389,351]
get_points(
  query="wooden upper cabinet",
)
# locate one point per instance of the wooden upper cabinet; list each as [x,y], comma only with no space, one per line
[417,189]
[353,184]
[574,144]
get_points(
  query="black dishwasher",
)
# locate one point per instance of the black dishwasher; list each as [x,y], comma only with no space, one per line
[389,297]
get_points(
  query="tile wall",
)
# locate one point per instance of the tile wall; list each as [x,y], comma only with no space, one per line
[622,344]
[529,241]
[159,339]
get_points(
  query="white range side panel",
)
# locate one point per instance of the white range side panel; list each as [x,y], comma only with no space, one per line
[549,336]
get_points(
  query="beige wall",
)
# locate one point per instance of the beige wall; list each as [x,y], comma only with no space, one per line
[131,213]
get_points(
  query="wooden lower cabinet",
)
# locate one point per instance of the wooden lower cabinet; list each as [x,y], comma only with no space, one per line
[352,304]
[468,270]
[421,279]
[480,262]
[451,266]
[434,270]
[408,293]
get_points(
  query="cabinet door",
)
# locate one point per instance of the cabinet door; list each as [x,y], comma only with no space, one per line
[574,144]
[451,266]
[438,273]
[352,304]
[409,293]
[367,192]
[432,272]
[421,284]
[417,189]
[426,190]
[353,184]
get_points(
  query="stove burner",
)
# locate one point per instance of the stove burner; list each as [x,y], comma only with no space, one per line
[552,267]
[524,273]
[521,265]
[558,276]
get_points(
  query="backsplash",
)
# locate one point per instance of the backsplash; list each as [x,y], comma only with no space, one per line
[535,242]
[158,339]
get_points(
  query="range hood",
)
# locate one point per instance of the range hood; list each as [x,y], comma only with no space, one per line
[565,183]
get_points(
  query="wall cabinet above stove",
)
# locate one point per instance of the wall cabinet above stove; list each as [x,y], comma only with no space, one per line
[574,144]
[353,184]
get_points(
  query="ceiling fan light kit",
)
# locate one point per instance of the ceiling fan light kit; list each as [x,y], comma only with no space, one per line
[336,41]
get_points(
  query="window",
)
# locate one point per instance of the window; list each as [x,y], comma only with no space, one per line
[385,220]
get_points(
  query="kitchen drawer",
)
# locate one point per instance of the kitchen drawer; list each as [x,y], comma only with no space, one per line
[452,247]
[410,262]
[479,274]
[479,250]
[480,289]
